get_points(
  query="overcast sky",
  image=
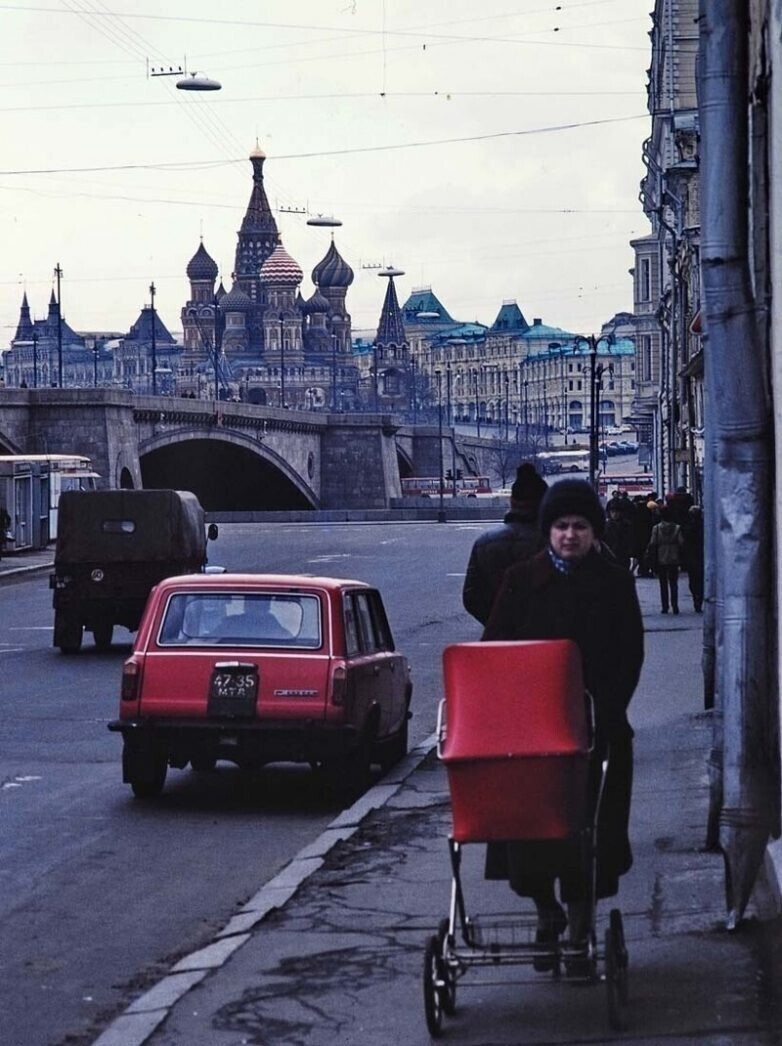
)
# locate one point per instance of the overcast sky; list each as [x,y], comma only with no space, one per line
[433,130]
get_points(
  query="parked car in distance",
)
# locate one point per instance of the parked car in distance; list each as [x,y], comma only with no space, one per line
[261,668]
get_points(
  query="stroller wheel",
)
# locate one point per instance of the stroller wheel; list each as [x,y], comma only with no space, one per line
[433,1007]
[616,973]
[447,973]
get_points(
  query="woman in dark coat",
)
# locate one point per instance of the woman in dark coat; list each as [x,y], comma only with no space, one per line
[570,591]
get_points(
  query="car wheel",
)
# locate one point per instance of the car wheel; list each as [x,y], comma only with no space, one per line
[350,775]
[102,634]
[395,750]
[144,770]
[69,633]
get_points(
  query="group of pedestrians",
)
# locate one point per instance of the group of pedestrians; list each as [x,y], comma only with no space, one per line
[659,537]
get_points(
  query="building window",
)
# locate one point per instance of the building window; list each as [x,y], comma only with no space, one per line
[645,280]
[646,357]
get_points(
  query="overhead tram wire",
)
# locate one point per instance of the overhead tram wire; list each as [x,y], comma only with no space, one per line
[131,42]
[247,23]
[185,164]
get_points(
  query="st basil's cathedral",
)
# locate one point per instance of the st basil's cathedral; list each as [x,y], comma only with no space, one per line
[261,339]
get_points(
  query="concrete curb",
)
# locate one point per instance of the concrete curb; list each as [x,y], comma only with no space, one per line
[146,1013]
[20,571]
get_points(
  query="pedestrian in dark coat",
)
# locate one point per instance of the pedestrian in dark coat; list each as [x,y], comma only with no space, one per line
[619,534]
[5,524]
[692,555]
[518,537]
[570,591]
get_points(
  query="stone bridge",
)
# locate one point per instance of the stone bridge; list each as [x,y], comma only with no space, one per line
[234,456]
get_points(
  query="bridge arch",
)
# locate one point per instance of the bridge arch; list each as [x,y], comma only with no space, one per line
[227,471]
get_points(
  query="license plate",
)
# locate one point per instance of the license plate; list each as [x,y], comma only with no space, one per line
[233,689]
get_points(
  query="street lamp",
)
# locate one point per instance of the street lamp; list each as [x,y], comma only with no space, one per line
[58,274]
[334,372]
[441,508]
[154,343]
[477,404]
[282,361]
[506,380]
[595,378]
[35,358]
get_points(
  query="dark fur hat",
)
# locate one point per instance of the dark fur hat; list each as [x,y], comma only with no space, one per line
[528,485]
[571,497]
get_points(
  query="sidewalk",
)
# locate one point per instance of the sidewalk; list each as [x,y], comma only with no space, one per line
[339,959]
[20,564]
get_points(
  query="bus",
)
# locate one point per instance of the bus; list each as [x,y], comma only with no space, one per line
[429,486]
[551,462]
[30,488]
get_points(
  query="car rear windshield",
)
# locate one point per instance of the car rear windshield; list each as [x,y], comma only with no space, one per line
[267,619]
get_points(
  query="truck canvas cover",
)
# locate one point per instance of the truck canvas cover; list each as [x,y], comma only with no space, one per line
[130,526]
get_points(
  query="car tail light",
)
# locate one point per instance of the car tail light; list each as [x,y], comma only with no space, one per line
[131,677]
[339,679]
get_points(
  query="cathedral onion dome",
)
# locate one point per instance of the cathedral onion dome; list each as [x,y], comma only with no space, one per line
[317,303]
[280,269]
[333,270]
[202,265]
[235,300]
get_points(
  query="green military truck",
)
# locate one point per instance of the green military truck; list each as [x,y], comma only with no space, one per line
[113,546]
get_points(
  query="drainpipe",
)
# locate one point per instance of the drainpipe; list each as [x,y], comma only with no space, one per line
[739,398]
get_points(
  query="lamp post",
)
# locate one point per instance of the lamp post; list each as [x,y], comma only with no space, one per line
[506,380]
[525,385]
[95,351]
[282,361]
[58,274]
[334,372]
[477,405]
[441,508]
[153,341]
[448,394]
[374,376]
[35,358]
[413,389]
[595,378]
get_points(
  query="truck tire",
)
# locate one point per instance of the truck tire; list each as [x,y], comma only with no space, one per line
[69,633]
[103,634]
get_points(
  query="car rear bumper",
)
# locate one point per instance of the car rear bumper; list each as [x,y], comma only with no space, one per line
[240,740]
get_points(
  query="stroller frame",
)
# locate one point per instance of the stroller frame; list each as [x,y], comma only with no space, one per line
[509,939]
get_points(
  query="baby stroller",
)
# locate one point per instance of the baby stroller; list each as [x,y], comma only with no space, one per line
[515,733]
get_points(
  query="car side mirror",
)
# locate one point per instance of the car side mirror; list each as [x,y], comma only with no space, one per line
[212,532]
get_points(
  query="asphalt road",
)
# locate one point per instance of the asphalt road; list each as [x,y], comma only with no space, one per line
[98,893]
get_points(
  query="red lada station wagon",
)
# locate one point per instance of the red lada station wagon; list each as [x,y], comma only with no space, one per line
[260,668]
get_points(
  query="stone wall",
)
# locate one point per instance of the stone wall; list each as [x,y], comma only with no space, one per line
[358,463]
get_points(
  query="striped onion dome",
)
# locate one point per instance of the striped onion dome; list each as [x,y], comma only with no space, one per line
[317,303]
[279,268]
[333,270]
[202,265]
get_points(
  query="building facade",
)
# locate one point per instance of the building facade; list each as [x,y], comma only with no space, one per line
[668,409]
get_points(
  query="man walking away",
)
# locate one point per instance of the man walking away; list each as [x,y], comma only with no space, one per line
[5,524]
[516,539]
[664,549]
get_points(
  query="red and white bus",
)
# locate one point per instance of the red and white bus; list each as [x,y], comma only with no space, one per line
[429,486]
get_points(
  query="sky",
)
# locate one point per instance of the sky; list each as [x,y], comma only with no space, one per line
[491,151]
